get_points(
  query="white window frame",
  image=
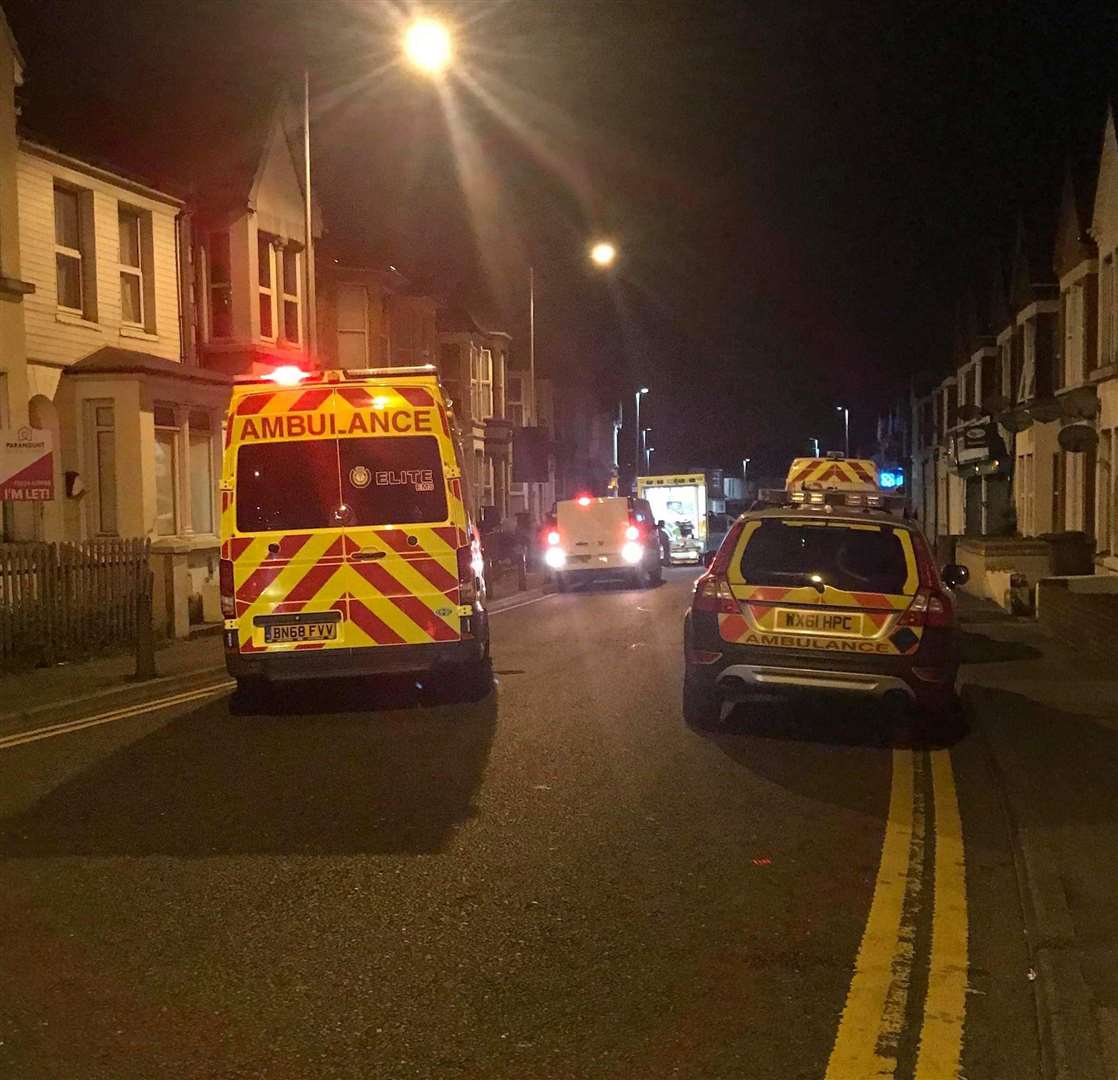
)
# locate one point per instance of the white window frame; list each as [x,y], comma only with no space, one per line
[213,286]
[266,248]
[203,436]
[285,298]
[137,271]
[350,332]
[96,429]
[175,441]
[78,254]
[481,383]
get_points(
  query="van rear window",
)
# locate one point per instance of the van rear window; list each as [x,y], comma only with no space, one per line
[855,559]
[319,483]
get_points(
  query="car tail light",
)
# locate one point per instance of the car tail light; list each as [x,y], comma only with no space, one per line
[632,533]
[929,607]
[712,593]
[226,586]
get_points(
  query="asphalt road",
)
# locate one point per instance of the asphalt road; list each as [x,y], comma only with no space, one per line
[561,881]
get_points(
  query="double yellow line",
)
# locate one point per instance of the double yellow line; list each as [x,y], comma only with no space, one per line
[68,726]
[876,1004]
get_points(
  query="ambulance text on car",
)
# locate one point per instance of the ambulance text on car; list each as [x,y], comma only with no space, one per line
[824,590]
[347,548]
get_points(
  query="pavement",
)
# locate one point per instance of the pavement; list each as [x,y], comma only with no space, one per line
[1050,719]
[562,880]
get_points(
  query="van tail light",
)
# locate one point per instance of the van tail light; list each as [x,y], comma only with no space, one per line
[225,584]
[712,593]
[632,532]
[469,558]
[929,607]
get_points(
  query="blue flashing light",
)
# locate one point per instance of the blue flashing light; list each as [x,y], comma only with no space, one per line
[891,478]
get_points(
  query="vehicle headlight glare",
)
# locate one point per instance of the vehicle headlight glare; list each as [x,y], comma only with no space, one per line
[632,552]
[555,557]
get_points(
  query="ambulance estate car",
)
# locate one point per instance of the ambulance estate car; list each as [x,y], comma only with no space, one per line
[825,590]
[347,548]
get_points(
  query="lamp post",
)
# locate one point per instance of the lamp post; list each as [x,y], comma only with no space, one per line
[648,460]
[815,443]
[744,474]
[637,454]
[308,223]
[644,443]
[846,426]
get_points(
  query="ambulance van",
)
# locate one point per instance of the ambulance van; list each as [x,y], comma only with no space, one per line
[347,548]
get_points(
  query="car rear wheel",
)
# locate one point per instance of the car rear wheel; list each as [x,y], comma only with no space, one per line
[702,704]
[476,679]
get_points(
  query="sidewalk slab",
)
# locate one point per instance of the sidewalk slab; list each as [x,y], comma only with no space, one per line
[1050,719]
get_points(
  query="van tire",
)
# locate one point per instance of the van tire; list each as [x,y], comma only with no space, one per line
[476,679]
[251,696]
[561,582]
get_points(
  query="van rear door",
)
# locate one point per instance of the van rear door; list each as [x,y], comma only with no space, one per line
[402,516]
[284,541]
[596,528]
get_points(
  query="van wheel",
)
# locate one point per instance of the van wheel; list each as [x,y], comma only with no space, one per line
[250,697]
[702,705]
[561,583]
[476,679]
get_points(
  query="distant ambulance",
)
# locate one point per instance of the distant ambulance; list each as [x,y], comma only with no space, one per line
[680,501]
[346,544]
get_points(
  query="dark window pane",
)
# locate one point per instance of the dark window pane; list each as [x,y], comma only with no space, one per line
[393,480]
[221,311]
[129,238]
[264,260]
[857,560]
[67,218]
[290,271]
[287,485]
[131,304]
[266,329]
[219,258]
[290,320]
[69,282]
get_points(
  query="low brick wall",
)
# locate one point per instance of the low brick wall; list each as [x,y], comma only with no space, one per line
[1082,611]
[992,560]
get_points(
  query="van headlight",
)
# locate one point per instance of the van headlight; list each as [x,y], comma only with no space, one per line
[555,557]
[632,552]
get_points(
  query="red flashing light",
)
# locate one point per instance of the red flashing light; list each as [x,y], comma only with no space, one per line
[288,375]
[584,500]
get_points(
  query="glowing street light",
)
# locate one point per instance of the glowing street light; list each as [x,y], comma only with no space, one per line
[427,46]
[603,253]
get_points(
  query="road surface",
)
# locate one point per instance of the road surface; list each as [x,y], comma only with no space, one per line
[562,881]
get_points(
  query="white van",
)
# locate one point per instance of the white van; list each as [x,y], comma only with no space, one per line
[603,537]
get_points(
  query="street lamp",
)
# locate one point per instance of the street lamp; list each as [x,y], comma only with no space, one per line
[603,254]
[637,456]
[846,425]
[744,473]
[648,460]
[815,443]
[427,46]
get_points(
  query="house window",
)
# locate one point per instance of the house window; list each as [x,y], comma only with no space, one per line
[201,472]
[353,334]
[131,267]
[450,374]
[290,282]
[166,471]
[1025,494]
[514,405]
[1107,487]
[1059,489]
[266,279]
[103,461]
[481,383]
[69,249]
[1106,309]
[221,286]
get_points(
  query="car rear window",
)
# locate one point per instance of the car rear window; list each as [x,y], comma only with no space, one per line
[856,558]
[318,483]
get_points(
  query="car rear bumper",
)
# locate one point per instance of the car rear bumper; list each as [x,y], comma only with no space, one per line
[292,666]
[739,671]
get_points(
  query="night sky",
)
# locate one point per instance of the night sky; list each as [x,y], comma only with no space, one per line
[802,191]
